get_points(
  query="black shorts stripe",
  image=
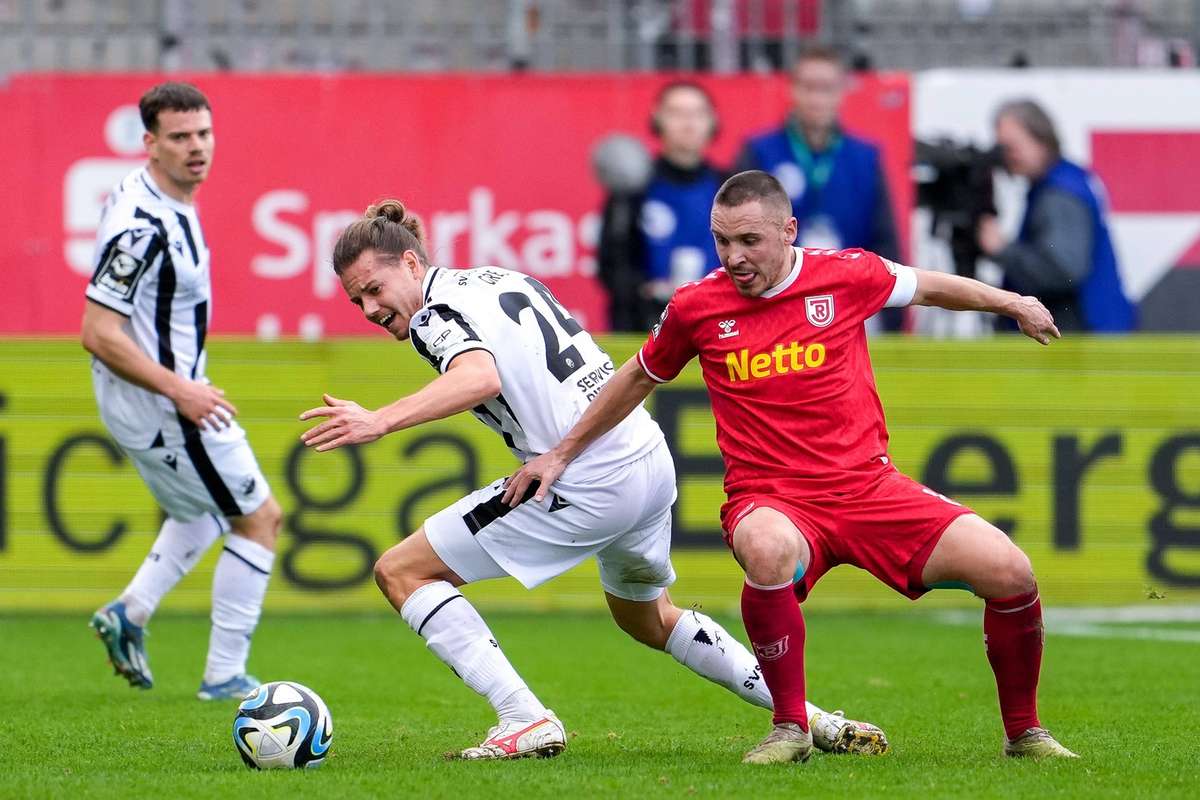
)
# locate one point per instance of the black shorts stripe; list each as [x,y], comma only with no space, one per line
[246,561]
[436,609]
[491,510]
[216,487]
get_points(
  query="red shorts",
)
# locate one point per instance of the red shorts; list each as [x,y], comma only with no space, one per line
[888,527]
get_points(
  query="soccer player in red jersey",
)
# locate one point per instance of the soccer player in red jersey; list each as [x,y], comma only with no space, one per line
[783,350]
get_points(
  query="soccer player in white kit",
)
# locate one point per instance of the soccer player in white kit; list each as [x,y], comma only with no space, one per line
[508,352]
[146,318]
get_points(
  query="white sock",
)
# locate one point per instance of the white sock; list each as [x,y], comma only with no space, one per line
[456,634]
[707,649]
[239,584]
[176,550]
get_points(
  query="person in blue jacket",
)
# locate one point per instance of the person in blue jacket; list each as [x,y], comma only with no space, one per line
[834,179]
[1063,253]
[654,241]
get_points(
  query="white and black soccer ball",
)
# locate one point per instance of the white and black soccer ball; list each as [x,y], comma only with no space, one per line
[283,725]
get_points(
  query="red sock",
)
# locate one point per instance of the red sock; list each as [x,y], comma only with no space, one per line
[776,628]
[1012,634]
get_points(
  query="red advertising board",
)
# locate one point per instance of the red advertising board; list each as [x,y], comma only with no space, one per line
[497,166]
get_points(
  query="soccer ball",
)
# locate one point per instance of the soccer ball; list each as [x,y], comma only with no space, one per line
[282,725]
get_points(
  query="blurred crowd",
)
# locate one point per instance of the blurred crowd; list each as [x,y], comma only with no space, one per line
[655,232]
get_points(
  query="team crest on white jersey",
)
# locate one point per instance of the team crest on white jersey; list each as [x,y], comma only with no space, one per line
[728,328]
[819,310]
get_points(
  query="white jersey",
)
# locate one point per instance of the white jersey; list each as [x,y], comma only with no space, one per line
[550,368]
[152,266]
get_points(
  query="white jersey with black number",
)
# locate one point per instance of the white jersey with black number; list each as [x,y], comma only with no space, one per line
[550,368]
[152,266]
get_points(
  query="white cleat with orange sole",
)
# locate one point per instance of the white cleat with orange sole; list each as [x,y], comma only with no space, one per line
[543,738]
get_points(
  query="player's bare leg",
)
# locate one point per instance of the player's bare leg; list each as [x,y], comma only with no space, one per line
[422,588]
[976,553]
[239,586]
[770,549]
[707,649]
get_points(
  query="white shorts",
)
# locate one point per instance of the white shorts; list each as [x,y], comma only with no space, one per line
[623,519]
[212,474]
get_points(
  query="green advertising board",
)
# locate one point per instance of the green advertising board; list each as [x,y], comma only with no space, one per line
[1087,452]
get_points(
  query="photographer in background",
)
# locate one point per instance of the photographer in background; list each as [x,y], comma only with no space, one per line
[655,239]
[1063,253]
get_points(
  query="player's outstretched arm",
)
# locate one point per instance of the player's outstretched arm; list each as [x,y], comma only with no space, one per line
[104,337]
[965,294]
[621,395]
[470,379]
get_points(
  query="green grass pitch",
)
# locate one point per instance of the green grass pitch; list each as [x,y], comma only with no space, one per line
[641,725]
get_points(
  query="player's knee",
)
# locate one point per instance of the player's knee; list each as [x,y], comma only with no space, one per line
[272,518]
[1015,575]
[769,555]
[395,574]
[261,527]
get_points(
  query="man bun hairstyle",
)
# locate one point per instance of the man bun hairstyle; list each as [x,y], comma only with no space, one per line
[387,228]
[170,96]
[754,185]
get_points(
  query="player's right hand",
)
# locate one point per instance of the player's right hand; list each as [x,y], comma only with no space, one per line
[543,469]
[1034,320]
[204,405]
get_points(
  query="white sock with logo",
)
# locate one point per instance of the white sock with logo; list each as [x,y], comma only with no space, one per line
[707,649]
[239,585]
[176,550]
[456,634]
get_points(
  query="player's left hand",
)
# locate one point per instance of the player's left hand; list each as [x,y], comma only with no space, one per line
[1034,320]
[346,423]
[543,469]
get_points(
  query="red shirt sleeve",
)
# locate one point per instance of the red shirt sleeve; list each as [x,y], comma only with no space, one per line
[870,280]
[669,346]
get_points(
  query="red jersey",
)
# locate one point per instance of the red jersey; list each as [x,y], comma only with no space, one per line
[788,374]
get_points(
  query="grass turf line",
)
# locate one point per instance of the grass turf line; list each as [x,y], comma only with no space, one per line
[641,725]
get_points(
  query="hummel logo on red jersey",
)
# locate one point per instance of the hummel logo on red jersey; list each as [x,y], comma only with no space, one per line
[728,328]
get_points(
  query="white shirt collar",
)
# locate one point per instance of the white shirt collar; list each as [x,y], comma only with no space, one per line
[427,283]
[779,289]
[149,183]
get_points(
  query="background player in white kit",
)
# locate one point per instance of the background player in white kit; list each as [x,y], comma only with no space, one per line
[508,352]
[145,322]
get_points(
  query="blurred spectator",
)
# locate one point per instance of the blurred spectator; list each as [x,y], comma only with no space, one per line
[654,241]
[836,181]
[1063,254]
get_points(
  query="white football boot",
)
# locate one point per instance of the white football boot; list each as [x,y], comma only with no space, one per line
[1036,743]
[543,738]
[786,742]
[833,733]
